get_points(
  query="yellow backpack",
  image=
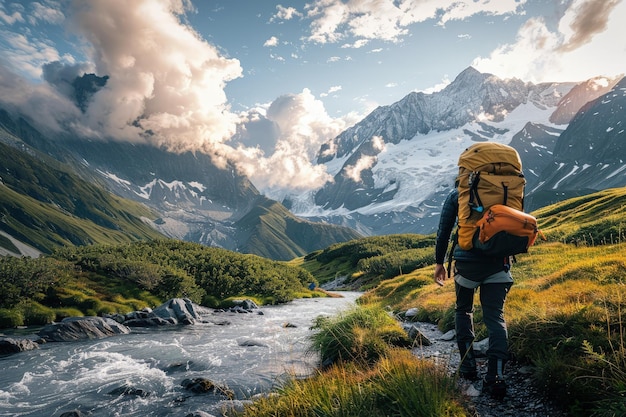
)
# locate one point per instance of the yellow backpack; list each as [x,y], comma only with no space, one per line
[489,173]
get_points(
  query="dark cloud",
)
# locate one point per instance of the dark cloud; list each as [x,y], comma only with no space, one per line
[61,76]
[257,131]
[45,106]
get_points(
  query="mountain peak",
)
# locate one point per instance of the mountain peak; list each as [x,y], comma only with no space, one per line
[472,75]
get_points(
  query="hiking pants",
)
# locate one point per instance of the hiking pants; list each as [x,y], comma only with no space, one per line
[492,297]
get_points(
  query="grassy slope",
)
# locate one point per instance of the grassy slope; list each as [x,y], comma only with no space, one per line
[564,312]
[273,232]
[45,205]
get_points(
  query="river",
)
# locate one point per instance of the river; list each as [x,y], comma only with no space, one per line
[250,355]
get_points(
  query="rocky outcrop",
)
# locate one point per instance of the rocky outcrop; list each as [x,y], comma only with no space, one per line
[172,312]
[203,386]
[9,345]
[178,310]
[82,328]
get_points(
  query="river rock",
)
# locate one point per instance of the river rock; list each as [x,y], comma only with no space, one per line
[199,414]
[481,347]
[82,328]
[127,390]
[243,306]
[418,337]
[73,413]
[9,345]
[252,342]
[182,310]
[150,322]
[203,385]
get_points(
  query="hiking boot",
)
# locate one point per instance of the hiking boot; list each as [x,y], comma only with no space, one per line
[494,383]
[467,368]
[469,375]
[496,388]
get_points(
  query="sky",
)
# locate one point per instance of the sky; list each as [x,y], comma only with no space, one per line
[263,84]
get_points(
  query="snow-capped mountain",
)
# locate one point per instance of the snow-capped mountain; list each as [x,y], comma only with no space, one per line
[590,154]
[393,169]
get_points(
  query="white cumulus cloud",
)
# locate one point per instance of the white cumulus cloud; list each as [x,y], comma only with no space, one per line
[588,38]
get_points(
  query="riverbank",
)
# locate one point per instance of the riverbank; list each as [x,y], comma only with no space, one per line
[248,353]
[523,398]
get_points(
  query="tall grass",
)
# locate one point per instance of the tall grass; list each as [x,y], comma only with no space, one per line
[361,335]
[368,378]
[398,385]
[564,316]
[612,362]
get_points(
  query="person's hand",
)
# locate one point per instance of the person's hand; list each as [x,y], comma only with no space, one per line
[440,274]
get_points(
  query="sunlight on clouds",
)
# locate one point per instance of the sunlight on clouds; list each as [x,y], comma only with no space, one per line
[273,41]
[590,36]
[354,171]
[10,17]
[163,77]
[42,12]
[166,87]
[526,56]
[378,143]
[331,90]
[327,16]
[302,125]
[460,10]
[583,20]
[333,20]
[437,87]
[40,101]
[285,13]
[28,55]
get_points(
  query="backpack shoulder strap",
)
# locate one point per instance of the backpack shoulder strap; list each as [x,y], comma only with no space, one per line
[455,239]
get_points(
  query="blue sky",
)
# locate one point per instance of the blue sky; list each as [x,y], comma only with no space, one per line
[265,83]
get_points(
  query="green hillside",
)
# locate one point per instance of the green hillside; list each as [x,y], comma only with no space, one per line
[564,312]
[45,205]
[598,218]
[271,231]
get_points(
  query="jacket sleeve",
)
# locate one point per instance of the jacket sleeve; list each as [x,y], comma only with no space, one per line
[446,224]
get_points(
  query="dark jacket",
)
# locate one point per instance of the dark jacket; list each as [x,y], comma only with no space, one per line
[465,259]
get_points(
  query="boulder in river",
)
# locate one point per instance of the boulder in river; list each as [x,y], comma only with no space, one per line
[182,310]
[203,385]
[9,345]
[82,328]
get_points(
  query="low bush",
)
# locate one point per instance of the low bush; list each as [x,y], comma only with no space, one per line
[362,335]
[36,314]
[10,318]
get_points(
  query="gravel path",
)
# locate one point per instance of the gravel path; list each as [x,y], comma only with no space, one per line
[522,399]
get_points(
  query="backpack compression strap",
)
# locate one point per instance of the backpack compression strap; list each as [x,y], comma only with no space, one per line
[474,198]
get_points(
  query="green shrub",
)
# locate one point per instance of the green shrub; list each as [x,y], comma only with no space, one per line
[10,318]
[361,335]
[63,313]
[36,314]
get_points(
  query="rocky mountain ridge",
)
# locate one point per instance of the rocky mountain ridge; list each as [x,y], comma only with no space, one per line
[190,197]
[405,154]
[391,170]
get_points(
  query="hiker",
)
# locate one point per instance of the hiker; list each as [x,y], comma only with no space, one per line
[473,270]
